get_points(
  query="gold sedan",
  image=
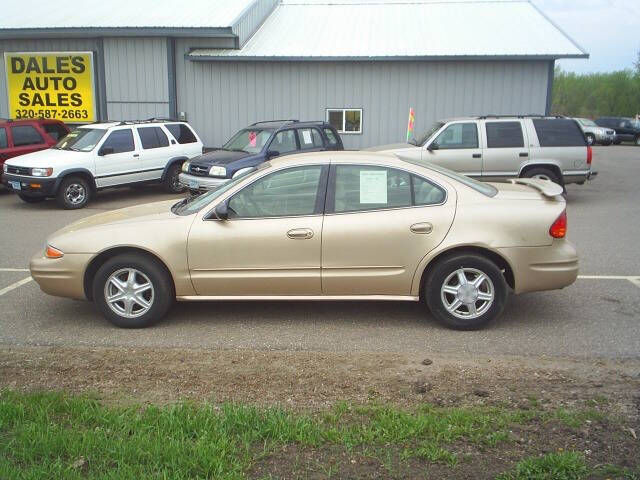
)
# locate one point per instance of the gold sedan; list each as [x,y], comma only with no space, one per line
[321,226]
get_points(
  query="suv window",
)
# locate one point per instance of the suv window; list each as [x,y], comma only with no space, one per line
[458,136]
[120,140]
[504,135]
[559,132]
[289,192]
[362,187]
[152,137]
[333,140]
[182,133]
[3,138]
[284,142]
[309,138]
[25,135]
[55,130]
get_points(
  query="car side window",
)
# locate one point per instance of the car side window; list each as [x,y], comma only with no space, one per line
[425,192]
[284,142]
[309,138]
[504,135]
[120,140]
[333,140]
[152,137]
[25,135]
[363,187]
[3,138]
[289,192]
[182,133]
[458,136]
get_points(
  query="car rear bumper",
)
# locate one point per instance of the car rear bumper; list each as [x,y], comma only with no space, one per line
[542,268]
[194,182]
[30,186]
[62,277]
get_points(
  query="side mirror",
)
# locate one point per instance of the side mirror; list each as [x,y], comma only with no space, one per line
[433,146]
[273,153]
[222,211]
[106,151]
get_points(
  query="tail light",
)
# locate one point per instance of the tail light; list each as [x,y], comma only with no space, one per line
[559,227]
[589,154]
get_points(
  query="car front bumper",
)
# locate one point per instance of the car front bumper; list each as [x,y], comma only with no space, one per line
[62,277]
[202,184]
[542,268]
[30,186]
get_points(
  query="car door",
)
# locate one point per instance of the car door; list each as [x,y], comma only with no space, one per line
[624,130]
[457,148]
[155,152]
[271,242]
[506,148]
[310,139]
[118,160]
[26,139]
[379,224]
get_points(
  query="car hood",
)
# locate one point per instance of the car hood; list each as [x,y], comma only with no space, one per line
[44,158]
[220,157]
[390,146]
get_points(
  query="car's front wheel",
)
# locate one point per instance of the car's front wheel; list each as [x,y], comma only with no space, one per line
[133,291]
[74,193]
[465,291]
[172,182]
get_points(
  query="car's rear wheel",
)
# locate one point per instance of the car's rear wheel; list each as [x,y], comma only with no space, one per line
[465,291]
[591,139]
[544,174]
[28,199]
[133,291]
[172,181]
[74,193]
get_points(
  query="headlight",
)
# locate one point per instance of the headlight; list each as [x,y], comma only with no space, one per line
[185,167]
[41,172]
[218,171]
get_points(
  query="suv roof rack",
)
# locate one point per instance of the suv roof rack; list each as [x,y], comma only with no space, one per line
[148,120]
[527,115]
[276,121]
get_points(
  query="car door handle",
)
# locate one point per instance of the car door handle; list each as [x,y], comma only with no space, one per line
[524,154]
[136,154]
[477,155]
[300,233]
[425,227]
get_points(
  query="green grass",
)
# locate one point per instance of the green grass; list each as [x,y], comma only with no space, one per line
[53,435]
[553,466]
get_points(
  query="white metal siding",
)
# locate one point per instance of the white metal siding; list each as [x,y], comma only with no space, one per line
[221,97]
[252,18]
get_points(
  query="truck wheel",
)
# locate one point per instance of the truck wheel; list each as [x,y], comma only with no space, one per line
[133,290]
[74,193]
[543,173]
[591,139]
[27,199]
[171,181]
[466,291]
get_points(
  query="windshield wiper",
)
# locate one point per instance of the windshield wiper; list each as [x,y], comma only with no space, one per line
[238,150]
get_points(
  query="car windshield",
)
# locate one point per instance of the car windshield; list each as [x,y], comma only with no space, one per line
[81,140]
[422,139]
[587,123]
[250,140]
[192,205]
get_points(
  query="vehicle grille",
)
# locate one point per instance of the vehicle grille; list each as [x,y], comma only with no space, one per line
[610,132]
[199,170]
[18,170]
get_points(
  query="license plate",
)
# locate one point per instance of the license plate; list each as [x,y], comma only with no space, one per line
[15,185]
[193,184]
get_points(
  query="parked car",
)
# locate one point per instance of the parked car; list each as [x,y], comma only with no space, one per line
[256,144]
[321,226]
[19,137]
[595,134]
[500,147]
[627,129]
[102,155]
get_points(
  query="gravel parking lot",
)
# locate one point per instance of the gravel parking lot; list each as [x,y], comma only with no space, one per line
[598,316]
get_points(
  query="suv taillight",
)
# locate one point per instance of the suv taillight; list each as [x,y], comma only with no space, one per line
[589,154]
[559,227]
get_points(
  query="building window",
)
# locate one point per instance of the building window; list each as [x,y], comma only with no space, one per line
[345,120]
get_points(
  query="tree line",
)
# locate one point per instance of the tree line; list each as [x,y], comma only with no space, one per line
[594,95]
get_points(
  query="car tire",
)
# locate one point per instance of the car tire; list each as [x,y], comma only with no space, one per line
[171,181]
[544,173]
[490,294]
[28,199]
[144,307]
[591,139]
[73,193]
[637,141]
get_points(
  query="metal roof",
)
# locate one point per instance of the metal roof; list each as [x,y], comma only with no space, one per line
[395,30]
[89,14]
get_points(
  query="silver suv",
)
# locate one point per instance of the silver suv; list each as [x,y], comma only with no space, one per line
[500,147]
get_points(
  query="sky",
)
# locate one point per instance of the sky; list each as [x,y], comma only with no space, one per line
[609,30]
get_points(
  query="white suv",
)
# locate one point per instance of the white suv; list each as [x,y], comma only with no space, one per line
[102,155]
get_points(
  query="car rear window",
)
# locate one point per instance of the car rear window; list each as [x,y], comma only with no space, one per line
[559,132]
[333,140]
[3,138]
[504,135]
[182,133]
[55,130]
[25,135]
[152,137]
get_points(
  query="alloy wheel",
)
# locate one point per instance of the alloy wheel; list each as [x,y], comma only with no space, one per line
[467,293]
[129,293]
[75,193]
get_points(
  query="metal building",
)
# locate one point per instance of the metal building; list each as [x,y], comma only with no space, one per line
[360,64]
